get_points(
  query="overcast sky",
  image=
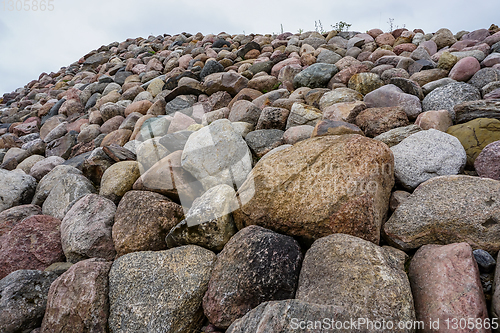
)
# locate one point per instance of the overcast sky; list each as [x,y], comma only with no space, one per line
[32,42]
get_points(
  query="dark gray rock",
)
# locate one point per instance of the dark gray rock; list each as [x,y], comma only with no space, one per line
[262,141]
[16,188]
[485,261]
[315,76]
[210,68]
[255,266]
[23,299]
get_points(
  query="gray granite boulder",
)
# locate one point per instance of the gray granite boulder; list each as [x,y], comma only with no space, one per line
[425,155]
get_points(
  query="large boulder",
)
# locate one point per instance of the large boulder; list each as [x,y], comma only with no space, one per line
[255,266]
[448,209]
[352,177]
[143,220]
[34,243]
[216,154]
[368,280]
[86,229]
[159,292]
[78,299]
[391,95]
[446,286]
[425,155]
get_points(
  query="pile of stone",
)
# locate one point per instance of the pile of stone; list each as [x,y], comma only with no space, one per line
[256,183]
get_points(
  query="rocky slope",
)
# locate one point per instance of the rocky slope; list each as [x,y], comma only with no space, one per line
[256,183]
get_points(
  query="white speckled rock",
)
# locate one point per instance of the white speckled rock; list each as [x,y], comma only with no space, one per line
[425,155]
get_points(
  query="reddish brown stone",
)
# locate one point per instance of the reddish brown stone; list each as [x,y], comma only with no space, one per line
[78,299]
[375,121]
[26,128]
[75,126]
[445,284]
[34,243]
[246,94]
[143,220]
[139,106]
[119,137]
[11,217]
[335,127]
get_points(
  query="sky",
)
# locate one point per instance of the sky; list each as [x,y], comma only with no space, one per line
[33,42]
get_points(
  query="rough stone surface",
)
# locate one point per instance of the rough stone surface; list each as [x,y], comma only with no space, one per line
[367,280]
[64,193]
[209,222]
[350,172]
[335,127]
[391,96]
[15,189]
[119,179]
[86,229]
[23,299]
[160,291]
[440,120]
[468,111]
[216,154]
[41,168]
[315,76]
[34,243]
[426,217]
[78,299]
[12,216]
[261,142]
[445,284]
[446,97]
[255,266]
[475,135]
[425,155]
[375,121]
[143,220]
[303,114]
[487,163]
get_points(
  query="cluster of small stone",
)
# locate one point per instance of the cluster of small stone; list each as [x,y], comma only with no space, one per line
[232,183]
